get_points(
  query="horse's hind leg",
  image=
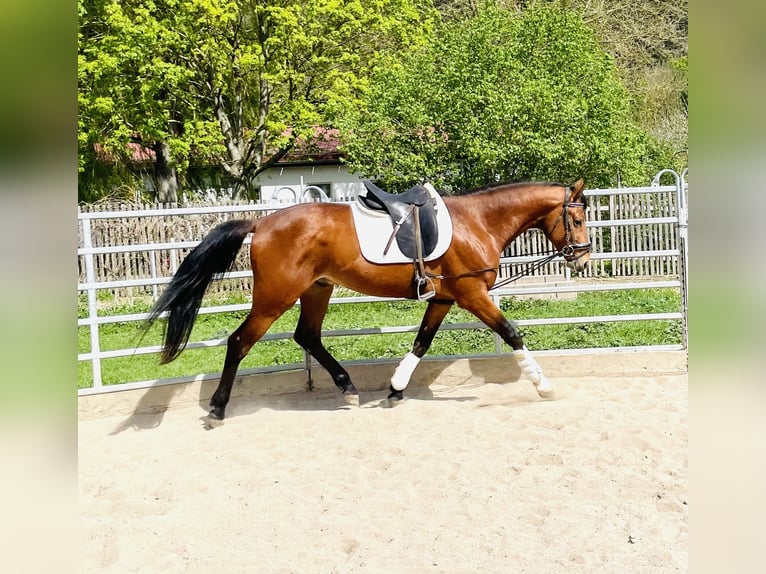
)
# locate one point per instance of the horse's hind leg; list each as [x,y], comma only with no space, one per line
[485,310]
[432,319]
[308,334]
[239,344]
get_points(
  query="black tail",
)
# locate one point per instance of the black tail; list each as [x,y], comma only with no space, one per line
[183,297]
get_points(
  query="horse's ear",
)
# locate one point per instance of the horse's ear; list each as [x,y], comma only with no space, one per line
[577,189]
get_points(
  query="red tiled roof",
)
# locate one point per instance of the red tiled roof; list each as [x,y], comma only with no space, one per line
[323,146]
[138,153]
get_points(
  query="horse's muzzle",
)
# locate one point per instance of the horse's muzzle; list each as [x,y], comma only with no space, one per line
[577,265]
[577,256]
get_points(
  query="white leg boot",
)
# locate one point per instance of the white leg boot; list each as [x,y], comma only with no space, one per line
[534,371]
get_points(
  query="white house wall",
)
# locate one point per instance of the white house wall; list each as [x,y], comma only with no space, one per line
[286,183]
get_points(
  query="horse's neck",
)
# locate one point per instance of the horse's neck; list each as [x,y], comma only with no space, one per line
[510,211]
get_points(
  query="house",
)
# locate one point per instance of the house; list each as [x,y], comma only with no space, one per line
[312,172]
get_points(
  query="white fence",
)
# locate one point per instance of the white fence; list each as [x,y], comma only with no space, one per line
[654,223]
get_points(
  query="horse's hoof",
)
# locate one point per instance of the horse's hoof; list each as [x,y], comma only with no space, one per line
[544,387]
[390,403]
[212,420]
[548,394]
[352,400]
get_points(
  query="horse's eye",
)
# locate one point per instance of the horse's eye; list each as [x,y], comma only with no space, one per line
[578,222]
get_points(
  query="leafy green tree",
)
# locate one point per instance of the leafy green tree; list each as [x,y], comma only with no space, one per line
[649,43]
[136,85]
[502,95]
[232,82]
[301,59]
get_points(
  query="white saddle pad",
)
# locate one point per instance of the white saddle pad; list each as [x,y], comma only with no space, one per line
[374,228]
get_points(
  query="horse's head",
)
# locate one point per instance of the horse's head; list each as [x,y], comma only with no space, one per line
[566,228]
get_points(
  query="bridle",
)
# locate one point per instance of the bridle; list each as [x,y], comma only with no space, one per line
[570,251]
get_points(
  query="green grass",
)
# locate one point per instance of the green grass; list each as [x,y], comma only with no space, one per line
[453,342]
[591,335]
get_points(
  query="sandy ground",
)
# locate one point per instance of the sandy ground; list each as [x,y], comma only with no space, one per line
[472,477]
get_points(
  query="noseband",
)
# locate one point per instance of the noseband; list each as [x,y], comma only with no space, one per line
[570,250]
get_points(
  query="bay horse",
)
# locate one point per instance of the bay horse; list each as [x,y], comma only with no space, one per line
[301,252]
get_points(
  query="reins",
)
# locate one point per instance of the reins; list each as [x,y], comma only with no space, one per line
[529,268]
[568,252]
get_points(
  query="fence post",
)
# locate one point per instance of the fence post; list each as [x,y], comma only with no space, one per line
[498,340]
[682,231]
[90,277]
[307,367]
[153,267]
[173,258]
[683,248]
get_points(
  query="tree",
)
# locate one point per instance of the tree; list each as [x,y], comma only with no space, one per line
[502,95]
[235,82]
[304,60]
[649,43]
[134,86]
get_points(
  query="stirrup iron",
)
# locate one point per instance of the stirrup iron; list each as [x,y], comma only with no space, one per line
[425,283]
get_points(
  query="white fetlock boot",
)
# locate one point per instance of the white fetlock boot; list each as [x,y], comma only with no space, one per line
[534,372]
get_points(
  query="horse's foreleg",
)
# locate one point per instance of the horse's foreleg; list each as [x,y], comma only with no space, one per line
[490,315]
[308,334]
[434,315]
[534,371]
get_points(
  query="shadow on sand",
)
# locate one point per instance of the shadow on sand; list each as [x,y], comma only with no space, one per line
[434,380]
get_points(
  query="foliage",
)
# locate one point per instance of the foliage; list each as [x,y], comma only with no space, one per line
[648,40]
[100,181]
[230,82]
[134,81]
[502,95]
[236,83]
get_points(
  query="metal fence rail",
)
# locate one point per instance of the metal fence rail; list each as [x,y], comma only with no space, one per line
[602,231]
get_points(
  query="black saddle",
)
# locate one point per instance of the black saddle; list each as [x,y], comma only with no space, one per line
[410,212]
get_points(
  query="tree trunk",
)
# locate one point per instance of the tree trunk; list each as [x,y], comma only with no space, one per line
[165,177]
